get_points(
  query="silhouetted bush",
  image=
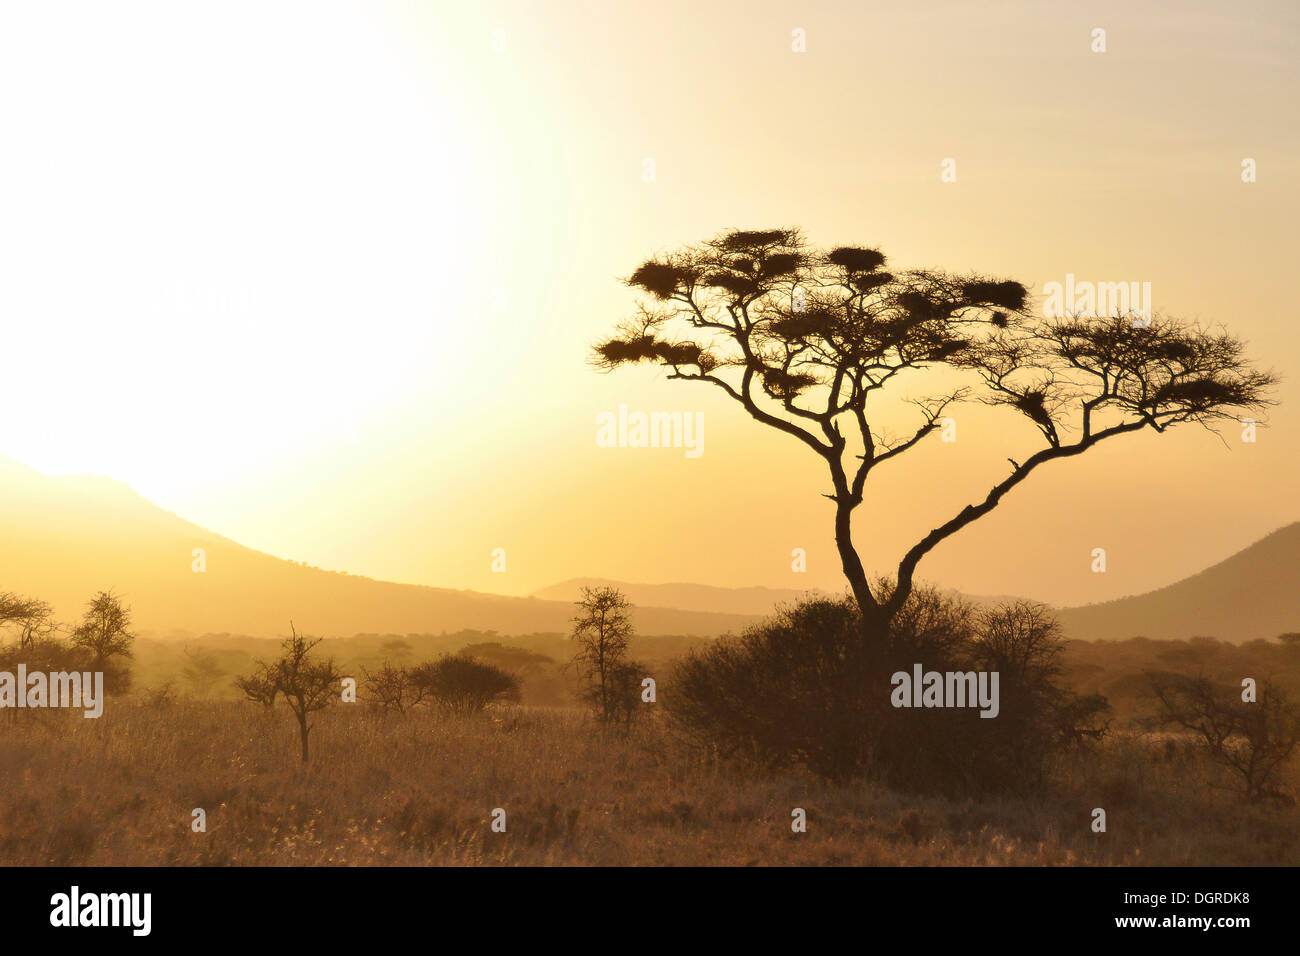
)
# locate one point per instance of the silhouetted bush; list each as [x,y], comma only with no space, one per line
[52,655]
[812,686]
[45,655]
[391,687]
[259,686]
[1252,739]
[788,690]
[100,642]
[459,684]
[624,692]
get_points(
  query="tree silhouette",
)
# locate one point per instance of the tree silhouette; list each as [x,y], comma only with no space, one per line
[391,687]
[803,338]
[34,618]
[459,684]
[1254,740]
[259,687]
[602,629]
[104,633]
[104,629]
[307,684]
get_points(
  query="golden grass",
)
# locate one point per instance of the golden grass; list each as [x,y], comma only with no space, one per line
[420,789]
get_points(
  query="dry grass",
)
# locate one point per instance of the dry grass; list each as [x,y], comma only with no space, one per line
[420,789]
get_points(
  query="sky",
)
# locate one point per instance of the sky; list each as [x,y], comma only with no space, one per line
[323,277]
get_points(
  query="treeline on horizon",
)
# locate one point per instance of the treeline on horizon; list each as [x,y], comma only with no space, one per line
[1116,669]
[206,666]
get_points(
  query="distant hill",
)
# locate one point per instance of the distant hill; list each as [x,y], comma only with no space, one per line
[63,538]
[1253,594]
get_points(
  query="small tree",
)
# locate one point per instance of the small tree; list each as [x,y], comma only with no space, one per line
[458,684]
[34,618]
[602,629]
[203,671]
[392,688]
[1252,739]
[1082,720]
[104,633]
[259,687]
[307,684]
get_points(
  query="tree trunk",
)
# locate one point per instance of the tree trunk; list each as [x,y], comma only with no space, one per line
[850,561]
[303,729]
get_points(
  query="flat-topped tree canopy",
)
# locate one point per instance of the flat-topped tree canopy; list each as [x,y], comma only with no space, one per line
[801,338]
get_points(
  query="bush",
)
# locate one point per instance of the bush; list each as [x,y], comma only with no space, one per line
[459,684]
[259,687]
[391,688]
[811,687]
[45,655]
[1253,740]
[49,654]
[788,690]
[622,696]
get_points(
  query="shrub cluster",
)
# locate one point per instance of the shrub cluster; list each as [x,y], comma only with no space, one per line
[454,683]
[812,686]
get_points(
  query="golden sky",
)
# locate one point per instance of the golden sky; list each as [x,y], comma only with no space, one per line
[323,277]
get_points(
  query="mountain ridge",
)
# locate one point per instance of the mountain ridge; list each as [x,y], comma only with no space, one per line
[1252,594]
[62,538]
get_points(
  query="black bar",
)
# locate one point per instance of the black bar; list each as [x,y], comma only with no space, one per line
[489,905]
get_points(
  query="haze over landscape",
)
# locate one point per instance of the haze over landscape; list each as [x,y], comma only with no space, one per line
[691,434]
[66,537]
[364,377]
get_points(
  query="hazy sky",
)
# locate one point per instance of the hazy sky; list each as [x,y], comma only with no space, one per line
[322,277]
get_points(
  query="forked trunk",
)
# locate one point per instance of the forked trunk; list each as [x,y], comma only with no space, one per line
[851,563]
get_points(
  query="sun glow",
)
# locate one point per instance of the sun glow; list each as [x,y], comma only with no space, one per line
[229,231]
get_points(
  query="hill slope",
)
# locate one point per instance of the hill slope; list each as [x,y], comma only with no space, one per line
[1253,594]
[63,538]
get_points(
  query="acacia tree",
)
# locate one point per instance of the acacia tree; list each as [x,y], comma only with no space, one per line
[602,629]
[105,634]
[392,687]
[803,339]
[1253,739]
[259,686]
[459,684]
[307,684]
[104,630]
[34,618]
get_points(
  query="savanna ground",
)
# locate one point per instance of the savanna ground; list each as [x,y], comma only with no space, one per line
[419,789]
